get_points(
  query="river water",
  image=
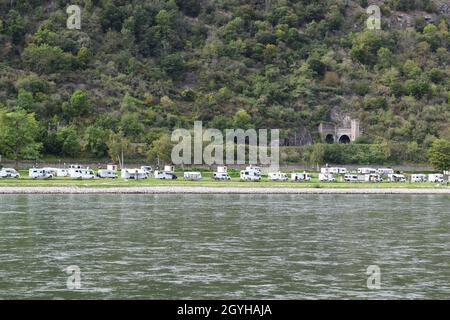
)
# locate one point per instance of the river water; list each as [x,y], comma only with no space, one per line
[224,246]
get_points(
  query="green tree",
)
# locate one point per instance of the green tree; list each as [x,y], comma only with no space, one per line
[18,135]
[96,139]
[78,105]
[439,154]
[69,141]
[118,147]
[160,150]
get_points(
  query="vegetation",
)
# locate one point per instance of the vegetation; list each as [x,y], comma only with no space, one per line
[138,69]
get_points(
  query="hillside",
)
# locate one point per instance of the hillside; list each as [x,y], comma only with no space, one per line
[138,69]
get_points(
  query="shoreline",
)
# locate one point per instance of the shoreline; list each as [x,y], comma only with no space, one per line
[217,190]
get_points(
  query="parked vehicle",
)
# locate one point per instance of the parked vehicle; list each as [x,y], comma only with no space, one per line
[83,174]
[250,175]
[9,173]
[385,171]
[36,173]
[373,178]
[419,178]
[107,174]
[52,171]
[354,178]
[300,177]
[436,177]
[147,169]
[396,177]
[136,174]
[164,175]
[62,173]
[333,170]
[278,176]
[367,170]
[221,176]
[192,176]
[254,168]
[326,177]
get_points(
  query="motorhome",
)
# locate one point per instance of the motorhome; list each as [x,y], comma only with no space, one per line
[372,178]
[250,175]
[84,174]
[136,174]
[74,168]
[254,168]
[326,177]
[62,172]
[52,171]
[36,173]
[164,175]
[147,169]
[278,176]
[436,177]
[192,176]
[300,177]
[107,174]
[354,178]
[396,178]
[385,171]
[419,178]
[367,171]
[9,173]
[333,170]
[221,176]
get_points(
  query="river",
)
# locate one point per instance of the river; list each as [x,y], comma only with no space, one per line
[224,246]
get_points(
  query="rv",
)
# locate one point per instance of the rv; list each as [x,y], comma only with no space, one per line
[436,177]
[134,174]
[192,176]
[84,174]
[107,174]
[333,170]
[147,169]
[278,176]
[9,173]
[385,171]
[419,178]
[36,173]
[221,176]
[52,171]
[354,178]
[372,178]
[164,175]
[396,178]
[300,177]
[62,172]
[326,177]
[73,168]
[250,175]
[367,171]
[254,168]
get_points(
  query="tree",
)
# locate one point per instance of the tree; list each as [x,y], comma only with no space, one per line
[68,140]
[18,135]
[78,105]
[118,147]
[439,154]
[96,141]
[160,150]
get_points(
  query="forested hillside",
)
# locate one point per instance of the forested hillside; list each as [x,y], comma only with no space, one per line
[138,69]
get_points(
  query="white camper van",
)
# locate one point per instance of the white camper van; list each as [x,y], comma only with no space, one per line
[354,178]
[367,171]
[436,177]
[250,175]
[107,174]
[300,177]
[193,176]
[326,177]
[9,173]
[419,178]
[254,168]
[221,176]
[164,175]
[372,178]
[136,174]
[396,178]
[83,174]
[333,170]
[36,173]
[278,176]
[62,172]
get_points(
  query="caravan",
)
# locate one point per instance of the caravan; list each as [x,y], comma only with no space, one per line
[193,176]
[385,171]
[300,177]
[83,174]
[436,177]
[367,171]
[36,173]
[354,178]
[333,170]
[250,175]
[107,174]
[396,178]
[419,178]
[164,175]
[9,173]
[278,176]
[373,178]
[221,176]
[136,174]
[326,177]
